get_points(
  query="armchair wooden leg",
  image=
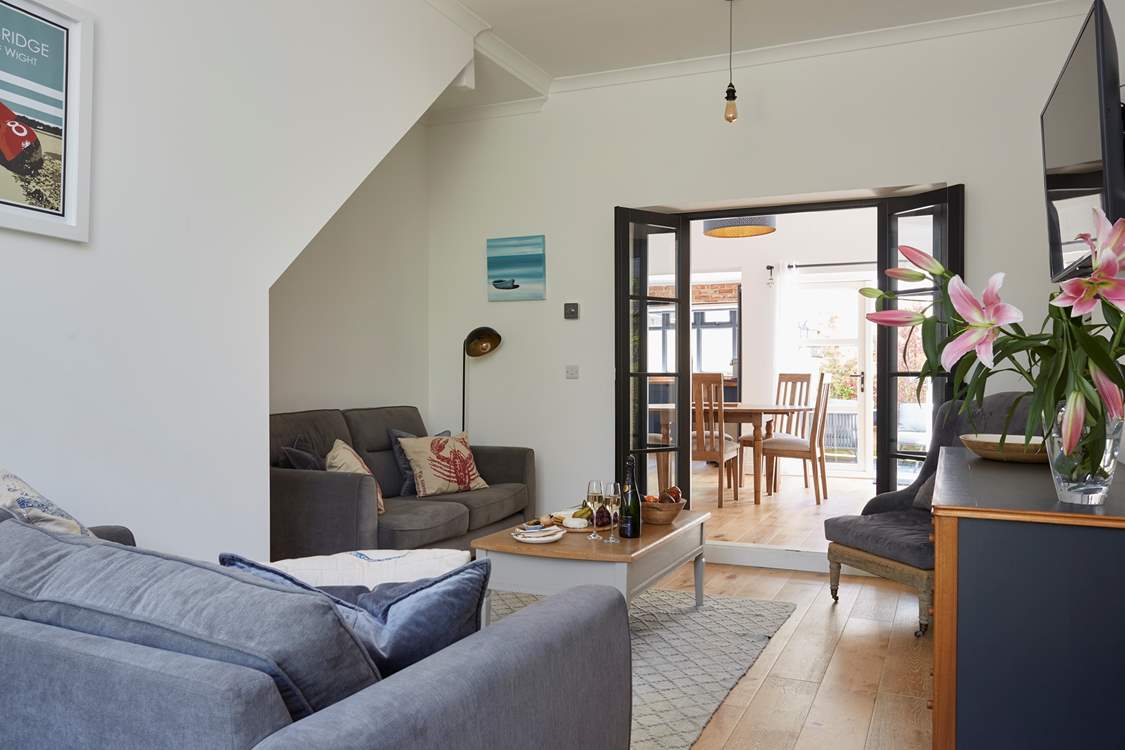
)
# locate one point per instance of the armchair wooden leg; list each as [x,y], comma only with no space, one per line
[925,604]
[834,580]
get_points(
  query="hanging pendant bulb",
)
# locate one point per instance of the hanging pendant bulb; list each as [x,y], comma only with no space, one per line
[730,111]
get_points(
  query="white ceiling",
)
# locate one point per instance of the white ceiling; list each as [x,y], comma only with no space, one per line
[573,37]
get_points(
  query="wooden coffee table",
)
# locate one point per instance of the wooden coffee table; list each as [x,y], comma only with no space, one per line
[630,567]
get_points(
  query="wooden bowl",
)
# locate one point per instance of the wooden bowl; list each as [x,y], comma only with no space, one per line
[1013,450]
[661,514]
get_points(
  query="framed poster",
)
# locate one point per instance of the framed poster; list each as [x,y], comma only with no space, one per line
[46,54]
[517,268]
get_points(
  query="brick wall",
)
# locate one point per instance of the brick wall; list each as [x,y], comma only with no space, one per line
[726,292]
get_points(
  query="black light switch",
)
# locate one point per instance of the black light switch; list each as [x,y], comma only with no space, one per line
[570,311]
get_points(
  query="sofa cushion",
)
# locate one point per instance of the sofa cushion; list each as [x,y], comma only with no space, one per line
[295,458]
[371,439]
[297,638]
[493,503]
[311,431]
[413,620]
[902,535]
[442,465]
[410,522]
[20,499]
[404,467]
[343,458]
[399,623]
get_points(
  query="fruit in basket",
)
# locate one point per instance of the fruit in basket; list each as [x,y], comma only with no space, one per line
[676,493]
[651,498]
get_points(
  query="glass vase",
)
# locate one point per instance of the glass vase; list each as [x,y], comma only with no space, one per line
[1083,478]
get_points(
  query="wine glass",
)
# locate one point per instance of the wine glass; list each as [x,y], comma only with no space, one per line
[593,502]
[611,491]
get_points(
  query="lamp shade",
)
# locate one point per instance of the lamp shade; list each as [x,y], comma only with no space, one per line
[481,341]
[740,226]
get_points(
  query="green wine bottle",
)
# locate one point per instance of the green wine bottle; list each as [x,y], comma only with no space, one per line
[631,502]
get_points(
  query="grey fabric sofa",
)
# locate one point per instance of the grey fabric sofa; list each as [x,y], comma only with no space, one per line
[891,538]
[322,513]
[500,688]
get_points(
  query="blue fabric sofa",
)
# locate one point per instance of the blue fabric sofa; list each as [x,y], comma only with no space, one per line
[67,683]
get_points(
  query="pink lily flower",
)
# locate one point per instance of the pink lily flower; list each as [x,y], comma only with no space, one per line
[984,318]
[905,274]
[923,260]
[896,318]
[1110,394]
[1081,295]
[1073,421]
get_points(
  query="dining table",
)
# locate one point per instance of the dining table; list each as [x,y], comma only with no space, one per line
[735,412]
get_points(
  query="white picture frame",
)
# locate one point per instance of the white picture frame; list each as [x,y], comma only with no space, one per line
[69,217]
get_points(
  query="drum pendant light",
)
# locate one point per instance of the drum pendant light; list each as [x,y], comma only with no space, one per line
[740,226]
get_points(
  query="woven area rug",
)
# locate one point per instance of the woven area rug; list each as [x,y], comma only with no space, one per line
[685,660]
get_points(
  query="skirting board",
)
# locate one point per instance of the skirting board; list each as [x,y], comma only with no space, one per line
[771,556]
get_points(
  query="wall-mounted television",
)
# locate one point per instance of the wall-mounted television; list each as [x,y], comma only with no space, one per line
[1083,145]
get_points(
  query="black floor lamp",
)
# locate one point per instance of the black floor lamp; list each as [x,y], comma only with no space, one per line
[478,343]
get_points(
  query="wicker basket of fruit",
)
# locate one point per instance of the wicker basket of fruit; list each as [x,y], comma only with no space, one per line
[662,510]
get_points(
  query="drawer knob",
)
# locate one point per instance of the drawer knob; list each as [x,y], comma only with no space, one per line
[931,536]
[930,705]
[930,610]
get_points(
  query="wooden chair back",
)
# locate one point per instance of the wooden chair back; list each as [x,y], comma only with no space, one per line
[793,390]
[819,418]
[708,420]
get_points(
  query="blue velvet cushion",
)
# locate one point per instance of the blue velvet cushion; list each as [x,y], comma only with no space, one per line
[404,467]
[400,623]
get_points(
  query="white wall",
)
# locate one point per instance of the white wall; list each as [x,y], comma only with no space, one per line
[957,109]
[134,387]
[348,318]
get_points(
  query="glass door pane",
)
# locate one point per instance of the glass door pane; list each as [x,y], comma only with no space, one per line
[932,222]
[653,366]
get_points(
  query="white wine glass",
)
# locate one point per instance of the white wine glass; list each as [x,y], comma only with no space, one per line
[611,491]
[593,502]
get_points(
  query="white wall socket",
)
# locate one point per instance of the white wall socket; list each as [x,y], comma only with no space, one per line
[572,372]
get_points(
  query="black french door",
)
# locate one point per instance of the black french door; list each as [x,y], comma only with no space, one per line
[653,393]
[934,222]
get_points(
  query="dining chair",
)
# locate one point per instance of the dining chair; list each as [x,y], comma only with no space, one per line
[709,438]
[792,390]
[809,449]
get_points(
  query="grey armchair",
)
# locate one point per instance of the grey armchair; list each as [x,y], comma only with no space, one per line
[891,538]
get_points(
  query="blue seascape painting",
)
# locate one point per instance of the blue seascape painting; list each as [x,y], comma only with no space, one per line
[517,268]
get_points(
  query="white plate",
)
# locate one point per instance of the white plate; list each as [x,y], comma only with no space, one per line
[538,539]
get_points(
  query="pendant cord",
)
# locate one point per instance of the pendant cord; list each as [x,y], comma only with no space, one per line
[730,47]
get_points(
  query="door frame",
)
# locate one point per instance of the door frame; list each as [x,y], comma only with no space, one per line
[885,343]
[623,374]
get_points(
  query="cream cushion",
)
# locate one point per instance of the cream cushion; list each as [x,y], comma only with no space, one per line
[371,567]
[442,465]
[344,459]
[784,442]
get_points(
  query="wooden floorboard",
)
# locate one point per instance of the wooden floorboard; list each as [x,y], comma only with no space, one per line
[837,675]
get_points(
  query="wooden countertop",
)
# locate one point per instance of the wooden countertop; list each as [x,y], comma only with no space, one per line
[575,546]
[972,487]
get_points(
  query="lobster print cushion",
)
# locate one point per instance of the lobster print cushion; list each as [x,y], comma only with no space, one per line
[442,464]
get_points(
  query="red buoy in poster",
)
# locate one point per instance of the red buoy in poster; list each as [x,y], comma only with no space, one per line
[19,145]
